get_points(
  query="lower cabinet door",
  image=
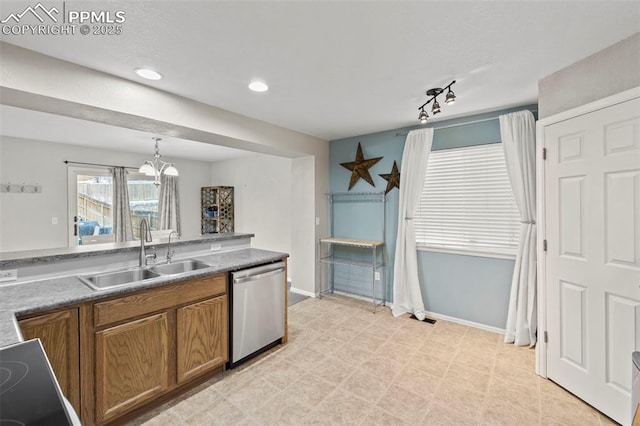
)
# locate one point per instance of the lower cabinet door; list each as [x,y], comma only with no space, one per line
[131,366]
[201,337]
[58,333]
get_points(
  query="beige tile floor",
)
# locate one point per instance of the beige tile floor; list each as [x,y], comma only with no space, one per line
[344,365]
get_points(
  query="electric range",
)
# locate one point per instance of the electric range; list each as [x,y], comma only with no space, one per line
[29,391]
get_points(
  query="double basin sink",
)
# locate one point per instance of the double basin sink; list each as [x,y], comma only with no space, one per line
[105,280]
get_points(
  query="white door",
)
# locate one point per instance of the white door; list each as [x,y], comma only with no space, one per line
[90,198]
[592,196]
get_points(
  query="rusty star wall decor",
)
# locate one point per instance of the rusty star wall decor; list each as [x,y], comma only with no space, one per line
[393,178]
[360,168]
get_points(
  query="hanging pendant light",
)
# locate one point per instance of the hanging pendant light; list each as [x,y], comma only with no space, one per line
[423,116]
[450,98]
[436,107]
[147,169]
[157,167]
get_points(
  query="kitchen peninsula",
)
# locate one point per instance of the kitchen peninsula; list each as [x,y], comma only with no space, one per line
[171,331]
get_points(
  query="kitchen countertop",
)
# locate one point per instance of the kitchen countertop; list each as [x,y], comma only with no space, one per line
[25,257]
[48,294]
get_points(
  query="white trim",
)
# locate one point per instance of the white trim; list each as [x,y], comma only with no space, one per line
[466,252]
[590,107]
[466,322]
[541,289]
[302,292]
[72,187]
[72,194]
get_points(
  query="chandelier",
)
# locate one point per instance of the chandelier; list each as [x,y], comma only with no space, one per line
[434,93]
[157,167]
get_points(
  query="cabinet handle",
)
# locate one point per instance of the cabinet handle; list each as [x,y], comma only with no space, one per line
[257,277]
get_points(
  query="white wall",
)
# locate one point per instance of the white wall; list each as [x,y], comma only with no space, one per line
[25,219]
[605,73]
[303,241]
[269,193]
[262,189]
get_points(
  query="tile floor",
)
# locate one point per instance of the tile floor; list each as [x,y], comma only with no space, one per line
[344,365]
[294,298]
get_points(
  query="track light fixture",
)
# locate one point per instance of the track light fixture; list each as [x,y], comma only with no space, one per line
[450,98]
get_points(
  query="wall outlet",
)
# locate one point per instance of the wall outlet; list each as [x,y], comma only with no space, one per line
[377,275]
[8,275]
[317,221]
[216,247]
[54,220]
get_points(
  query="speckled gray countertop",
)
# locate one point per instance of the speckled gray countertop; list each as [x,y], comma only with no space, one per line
[16,258]
[47,294]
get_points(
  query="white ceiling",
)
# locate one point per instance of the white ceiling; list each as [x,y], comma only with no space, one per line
[20,123]
[338,69]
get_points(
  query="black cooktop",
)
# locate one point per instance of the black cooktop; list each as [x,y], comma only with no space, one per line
[29,392]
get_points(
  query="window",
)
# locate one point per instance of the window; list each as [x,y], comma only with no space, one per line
[467,203]
[93,201]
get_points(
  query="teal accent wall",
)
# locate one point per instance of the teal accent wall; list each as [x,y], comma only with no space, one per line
[471,288]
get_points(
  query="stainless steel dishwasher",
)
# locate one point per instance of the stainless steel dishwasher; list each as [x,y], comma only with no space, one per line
[257,310]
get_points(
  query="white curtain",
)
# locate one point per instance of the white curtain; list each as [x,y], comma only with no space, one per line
[169,204]
[518,140]
[122,228]
[407,297]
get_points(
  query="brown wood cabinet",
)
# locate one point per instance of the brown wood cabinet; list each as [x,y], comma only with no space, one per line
[149,343]
[117,356]
[202,336]
[58,332]
[132,365]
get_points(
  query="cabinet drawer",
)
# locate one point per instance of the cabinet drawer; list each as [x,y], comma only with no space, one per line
[153,300]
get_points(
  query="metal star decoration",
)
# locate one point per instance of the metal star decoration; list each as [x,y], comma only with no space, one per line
[360,168]
[393,178]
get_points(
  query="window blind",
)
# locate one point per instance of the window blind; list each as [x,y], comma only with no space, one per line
[467,202]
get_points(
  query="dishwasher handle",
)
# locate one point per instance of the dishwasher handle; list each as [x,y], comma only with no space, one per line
[257,276]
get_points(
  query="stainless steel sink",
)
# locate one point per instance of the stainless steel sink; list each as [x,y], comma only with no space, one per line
[117,278]
[179,267]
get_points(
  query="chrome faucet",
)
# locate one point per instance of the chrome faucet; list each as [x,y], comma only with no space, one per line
[169,252]
[145,235]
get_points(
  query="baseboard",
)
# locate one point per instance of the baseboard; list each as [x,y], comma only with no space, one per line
[302,292]
[466,322]
[429,314]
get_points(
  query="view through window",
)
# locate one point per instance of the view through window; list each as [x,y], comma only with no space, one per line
[94,215]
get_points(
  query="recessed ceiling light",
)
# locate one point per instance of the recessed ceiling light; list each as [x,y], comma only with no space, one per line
[258,86]
[148,74]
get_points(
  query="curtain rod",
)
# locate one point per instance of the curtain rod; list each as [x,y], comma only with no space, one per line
[97,164]
[465,123]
